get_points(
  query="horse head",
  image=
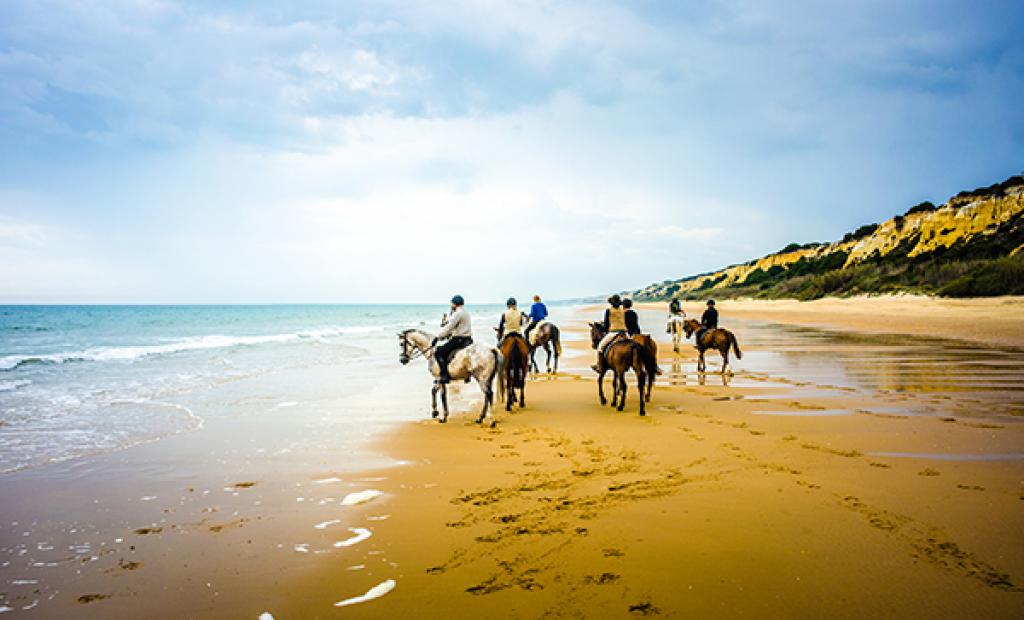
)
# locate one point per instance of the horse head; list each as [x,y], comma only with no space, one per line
[412,343]
[690,326]
[597,332]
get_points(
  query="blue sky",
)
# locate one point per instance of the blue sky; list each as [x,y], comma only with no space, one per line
[160,151]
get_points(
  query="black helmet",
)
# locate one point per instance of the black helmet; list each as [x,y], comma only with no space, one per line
[711,302]
[511,301]
[627,303]
[458,300]
[615,300]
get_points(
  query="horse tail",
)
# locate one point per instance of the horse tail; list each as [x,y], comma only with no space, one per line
[556,334]
[735,346]
[499,371]
[647,358]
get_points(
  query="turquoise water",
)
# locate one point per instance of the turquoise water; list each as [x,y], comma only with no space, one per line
[76,380]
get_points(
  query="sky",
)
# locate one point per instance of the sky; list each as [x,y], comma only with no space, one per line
[156,151]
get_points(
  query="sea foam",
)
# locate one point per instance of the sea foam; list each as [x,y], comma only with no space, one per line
[360,497]
[376,591]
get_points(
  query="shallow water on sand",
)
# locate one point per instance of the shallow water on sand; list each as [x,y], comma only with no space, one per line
[946,376]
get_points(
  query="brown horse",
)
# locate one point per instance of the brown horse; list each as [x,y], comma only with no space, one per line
[644,340]
[719,339]
[620,356]
[547,337]
[516,353]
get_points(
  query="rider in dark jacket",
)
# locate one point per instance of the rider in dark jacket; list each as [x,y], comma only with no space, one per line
[632,320]
[709,320]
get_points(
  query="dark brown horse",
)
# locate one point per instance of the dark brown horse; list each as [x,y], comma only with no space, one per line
[620,356]
[516,353]
[644,340]
[547,337]
[718,339]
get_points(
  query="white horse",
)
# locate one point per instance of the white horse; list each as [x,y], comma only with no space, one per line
[476,361]
[675,327]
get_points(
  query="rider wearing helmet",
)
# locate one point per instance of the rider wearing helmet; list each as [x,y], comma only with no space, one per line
[511,321]
[459,333]
[614,326]
[708,320]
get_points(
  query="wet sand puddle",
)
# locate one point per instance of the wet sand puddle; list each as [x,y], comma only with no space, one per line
[903,374]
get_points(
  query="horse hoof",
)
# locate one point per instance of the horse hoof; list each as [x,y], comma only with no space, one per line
[434,414]
[442,420]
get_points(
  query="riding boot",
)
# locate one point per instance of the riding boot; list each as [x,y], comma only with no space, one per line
[443,374]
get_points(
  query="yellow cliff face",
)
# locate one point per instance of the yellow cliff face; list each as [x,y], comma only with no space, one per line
[960,218]
[943,227]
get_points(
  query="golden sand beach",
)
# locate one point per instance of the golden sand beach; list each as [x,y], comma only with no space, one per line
[836,474]
[740,500]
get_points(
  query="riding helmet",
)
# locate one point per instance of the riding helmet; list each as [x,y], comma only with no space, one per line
[511,301]
[615,300]
[458,300]
[711,302]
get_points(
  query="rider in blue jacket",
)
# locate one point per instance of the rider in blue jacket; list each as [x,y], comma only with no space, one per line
[538,312]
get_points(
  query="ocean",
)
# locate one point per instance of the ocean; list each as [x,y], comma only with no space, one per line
[80,380]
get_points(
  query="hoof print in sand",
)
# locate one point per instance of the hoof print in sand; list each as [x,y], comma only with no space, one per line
[91,598]
[646,608]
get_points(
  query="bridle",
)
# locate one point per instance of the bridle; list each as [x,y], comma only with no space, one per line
[406,357]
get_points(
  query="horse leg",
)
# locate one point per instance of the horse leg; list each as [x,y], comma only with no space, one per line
[547,363]
[522,389]
[622,390]
[725,358]
[557,344]
[641,379]
[600,386]
[444,402]
[433,400]
[700,360]
[533,360]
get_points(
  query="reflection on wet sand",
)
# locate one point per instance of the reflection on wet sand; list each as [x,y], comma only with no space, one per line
[924,374]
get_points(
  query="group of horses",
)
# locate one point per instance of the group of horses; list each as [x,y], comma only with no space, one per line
[514,357]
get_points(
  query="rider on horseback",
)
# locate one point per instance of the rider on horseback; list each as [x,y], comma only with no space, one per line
[614,326]
[632,320]
[511,321]
[459,333]
[538,312]
[708,320]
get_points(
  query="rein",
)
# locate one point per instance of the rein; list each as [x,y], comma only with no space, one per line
[416,352]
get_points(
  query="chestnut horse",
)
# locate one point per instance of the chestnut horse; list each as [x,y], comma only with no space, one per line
[516,353]
[719,339]
[644,340]
[620,356]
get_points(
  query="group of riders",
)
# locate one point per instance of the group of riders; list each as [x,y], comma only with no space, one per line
[620,321]
[456,327]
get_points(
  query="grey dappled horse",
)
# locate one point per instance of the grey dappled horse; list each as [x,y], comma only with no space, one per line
[476,361]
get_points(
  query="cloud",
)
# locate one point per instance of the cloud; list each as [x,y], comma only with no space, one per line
[392,150]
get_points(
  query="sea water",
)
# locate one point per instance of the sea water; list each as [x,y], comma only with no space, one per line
[79,380]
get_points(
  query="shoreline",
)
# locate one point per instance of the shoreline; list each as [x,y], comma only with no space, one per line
[713,504]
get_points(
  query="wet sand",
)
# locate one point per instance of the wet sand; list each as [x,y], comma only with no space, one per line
[834,475]
[997,321]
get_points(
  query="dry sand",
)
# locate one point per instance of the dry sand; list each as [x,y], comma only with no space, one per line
[995,321]
[704,508]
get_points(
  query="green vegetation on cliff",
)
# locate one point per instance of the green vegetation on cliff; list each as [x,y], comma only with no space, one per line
[971,246]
